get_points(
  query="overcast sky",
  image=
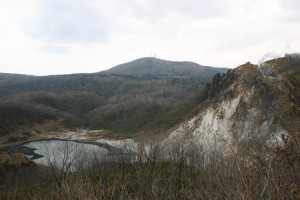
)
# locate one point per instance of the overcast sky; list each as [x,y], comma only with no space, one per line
[43,37]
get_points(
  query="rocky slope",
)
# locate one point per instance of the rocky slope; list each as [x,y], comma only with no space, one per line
[247,105]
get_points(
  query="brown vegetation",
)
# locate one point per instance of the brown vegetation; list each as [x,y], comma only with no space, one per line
[180,173]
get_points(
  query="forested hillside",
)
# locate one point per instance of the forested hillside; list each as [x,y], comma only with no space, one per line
[119,102]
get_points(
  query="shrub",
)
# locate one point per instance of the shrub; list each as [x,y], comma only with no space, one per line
[179,173]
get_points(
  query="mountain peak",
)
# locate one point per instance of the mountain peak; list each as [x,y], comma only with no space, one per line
[248,69]
[158,67]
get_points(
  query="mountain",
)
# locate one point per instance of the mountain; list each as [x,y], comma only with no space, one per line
[248,105]
[124,102]
[236,120]
[157,67]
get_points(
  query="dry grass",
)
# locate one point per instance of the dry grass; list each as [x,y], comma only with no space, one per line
[13,160]
[268,173]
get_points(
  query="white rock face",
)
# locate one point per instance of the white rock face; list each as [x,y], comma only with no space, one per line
[209,130]
[213,129]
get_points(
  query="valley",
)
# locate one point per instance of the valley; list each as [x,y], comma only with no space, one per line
[122,103]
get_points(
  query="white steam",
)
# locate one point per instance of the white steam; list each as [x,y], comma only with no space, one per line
[287,50]
[270,56]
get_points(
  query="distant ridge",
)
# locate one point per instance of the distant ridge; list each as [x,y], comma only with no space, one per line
[159,67]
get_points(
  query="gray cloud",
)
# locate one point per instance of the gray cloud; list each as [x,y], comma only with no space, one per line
[63,35]
[155,9]
[65,21]
[202,8]
[290,4]
[49,48]
[292,8]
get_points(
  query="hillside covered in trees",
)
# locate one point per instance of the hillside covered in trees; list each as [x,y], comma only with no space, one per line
[125,99]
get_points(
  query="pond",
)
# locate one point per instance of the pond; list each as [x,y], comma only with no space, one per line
[66,154]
